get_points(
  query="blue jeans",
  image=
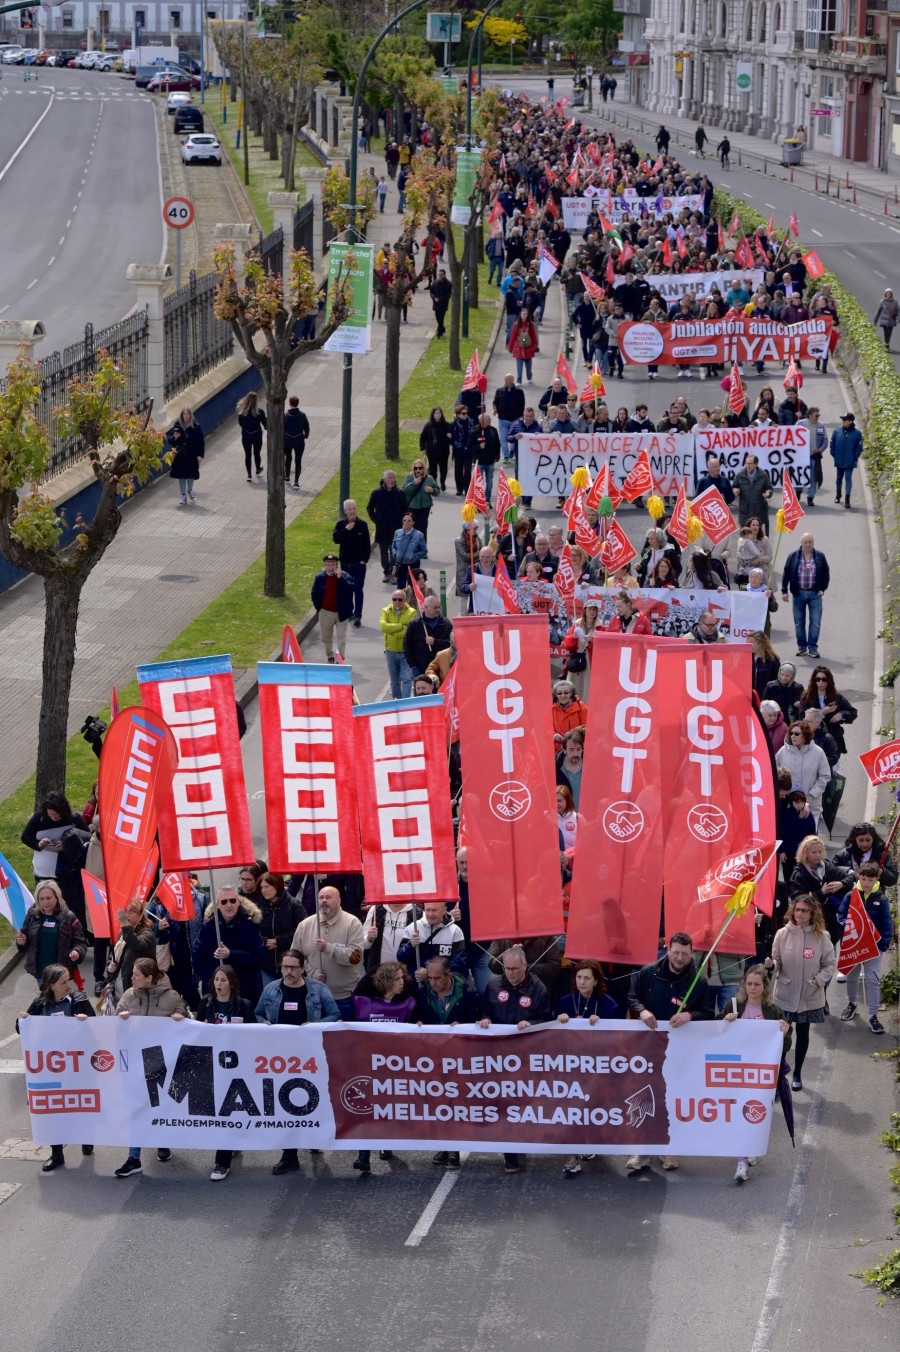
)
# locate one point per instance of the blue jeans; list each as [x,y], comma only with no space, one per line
[134,1152]
[723,996]
[496,266]
[358,572]
[844,476]
[807,601]
[520,363]
[399,673]
[503,426]
[401,205]
[510,320]
[480,968]
[488,472]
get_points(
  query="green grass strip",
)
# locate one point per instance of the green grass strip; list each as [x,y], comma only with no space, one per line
[265,173]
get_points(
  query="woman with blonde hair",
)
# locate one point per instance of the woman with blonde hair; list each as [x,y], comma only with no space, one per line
[754,1001]
[136,940]
[803,962]
[251,420]
[51,932]
[577,643]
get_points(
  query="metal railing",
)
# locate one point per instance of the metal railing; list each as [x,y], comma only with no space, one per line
[328,232]
[128,343]
[303,229]
[194,339]
[271,251]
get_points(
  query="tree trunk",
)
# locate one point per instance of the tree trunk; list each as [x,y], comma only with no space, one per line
[473,232]
[275,564]
[256,119]
[273,142]
[454,360]
[62,595]
[392,381]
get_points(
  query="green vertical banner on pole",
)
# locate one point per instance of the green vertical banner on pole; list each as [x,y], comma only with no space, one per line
[355,334]
[467,165]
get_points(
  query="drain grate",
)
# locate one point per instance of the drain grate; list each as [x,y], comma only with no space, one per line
[178,577]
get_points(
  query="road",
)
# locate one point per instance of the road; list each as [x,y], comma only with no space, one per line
[79,198]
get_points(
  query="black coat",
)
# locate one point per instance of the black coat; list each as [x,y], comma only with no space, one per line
[415,649]
[386,508]
[280,919]
[803,883]
[188,447]
[487,446]
[657,988]
[70,938]
[851,857]
[508,1004]
[296,429]
[241,935]
[354,546]
[765,670]
[239,1009]
[785,696]
[435,439]
[848,715]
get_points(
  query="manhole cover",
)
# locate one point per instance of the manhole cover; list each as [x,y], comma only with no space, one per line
[178,577]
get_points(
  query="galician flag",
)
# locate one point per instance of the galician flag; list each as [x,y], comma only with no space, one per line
[15,898]
[548,266]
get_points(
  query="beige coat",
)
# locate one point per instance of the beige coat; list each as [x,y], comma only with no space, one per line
[159,1001]
[800,981]
[342,957]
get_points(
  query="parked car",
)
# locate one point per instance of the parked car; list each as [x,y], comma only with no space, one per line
[60,58]
[187,118]
[175,101]
[168,83]
[13,55]
[201,147]
[94,61]
[42,57]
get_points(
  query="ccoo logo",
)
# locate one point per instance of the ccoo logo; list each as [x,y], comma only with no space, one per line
[707,823]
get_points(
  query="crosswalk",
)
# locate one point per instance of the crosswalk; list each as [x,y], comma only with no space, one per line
[98,96]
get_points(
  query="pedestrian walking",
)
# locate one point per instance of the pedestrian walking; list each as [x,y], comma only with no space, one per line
[803,962]
[296,432]
[408,548]
[723,150]
[51,933]
[435,443]
[700,140]
[351,535]
[509,406]
[487,452]
[381,189]
[887,316]
[394,621]
[495,252]
[878,909]
[385,509]
[754,1001]
[392,159]
[252,422]
[224,1004]
[57,998]
[402,180]
[333,598]
[420,489]
[186,443]
[151,996]
[441,292]
[806,576]
[523,344]
[663,137]
[846,446]
[753,490]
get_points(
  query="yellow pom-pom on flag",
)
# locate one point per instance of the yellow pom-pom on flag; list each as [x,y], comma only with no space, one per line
[655,506]
[469,511]
[515,487]
[580,477]
[779,521]
[741,898]
[694,528]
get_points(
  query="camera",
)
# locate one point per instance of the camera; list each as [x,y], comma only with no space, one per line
[92,730]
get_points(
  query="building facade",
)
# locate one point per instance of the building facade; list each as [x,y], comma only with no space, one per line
[634,49]
[769,67]
[114,18]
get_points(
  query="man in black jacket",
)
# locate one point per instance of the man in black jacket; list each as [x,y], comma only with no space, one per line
[427,636]
[351,535]
[296,431]
[656,992]
[441,291]
[386,506]
[516,998]
[509,405]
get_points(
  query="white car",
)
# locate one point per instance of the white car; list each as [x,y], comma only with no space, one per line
[95,61]
[199,147]
[12,55]
[176,100]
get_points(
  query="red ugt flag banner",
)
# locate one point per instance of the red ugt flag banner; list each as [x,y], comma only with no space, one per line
[137,763]
[859,942]
[882,763]
[309,767]
[403,787]
[204,821]
[509,796]
[721,796]
[97,905]
[790,503]
[617,878]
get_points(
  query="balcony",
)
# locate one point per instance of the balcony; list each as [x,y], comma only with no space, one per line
[883,6]
[639,7]
[862,55]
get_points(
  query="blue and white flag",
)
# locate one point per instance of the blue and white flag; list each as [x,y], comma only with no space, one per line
[15,898]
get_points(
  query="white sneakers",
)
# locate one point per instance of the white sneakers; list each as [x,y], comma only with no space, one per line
[740,1173]
[636,1162]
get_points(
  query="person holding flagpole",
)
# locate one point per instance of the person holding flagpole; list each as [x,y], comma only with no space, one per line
[878,909]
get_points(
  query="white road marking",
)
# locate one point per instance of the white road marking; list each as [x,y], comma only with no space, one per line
[12,1036]
[31,284]
[749,194]
[786,1246]
[22,144]
[12,1067]
[771,206]
[849,254]
[430,1214]
[68,223]
[817,232]
[52,261]
[62,240]
[4,310]
[894,228]
[879,274]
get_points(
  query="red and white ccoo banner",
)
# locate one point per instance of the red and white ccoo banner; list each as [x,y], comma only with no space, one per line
[309,767]
[509,796]
[403,794]
[205,820]
[617,877]
[720,799]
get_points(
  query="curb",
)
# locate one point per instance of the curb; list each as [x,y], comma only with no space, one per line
[9,959]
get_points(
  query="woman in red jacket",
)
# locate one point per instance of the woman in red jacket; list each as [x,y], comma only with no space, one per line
[523,344]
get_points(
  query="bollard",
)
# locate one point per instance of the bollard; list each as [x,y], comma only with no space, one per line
[443,591]
[817,180]
[847,183]
[765,166]
[895,195]
[792,173]
[854,194]
[885,204]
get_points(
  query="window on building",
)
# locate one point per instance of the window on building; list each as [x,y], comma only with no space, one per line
[68,18]
[748,30]
[103,21]
[895,135]
[174,18]
[140,18]
[763,20]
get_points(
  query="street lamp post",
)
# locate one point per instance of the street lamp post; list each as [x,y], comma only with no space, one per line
[475,38]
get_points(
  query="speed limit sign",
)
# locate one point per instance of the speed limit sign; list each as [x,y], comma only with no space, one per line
[178,212]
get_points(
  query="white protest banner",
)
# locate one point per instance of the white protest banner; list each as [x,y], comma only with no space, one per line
[778,449]
[674,612]
[575,212]
[633,205]
[486,599]
[618,1088]
[546,462]
[672,285]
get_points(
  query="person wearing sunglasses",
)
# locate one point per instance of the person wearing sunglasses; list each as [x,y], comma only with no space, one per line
[237,941]
[803,962]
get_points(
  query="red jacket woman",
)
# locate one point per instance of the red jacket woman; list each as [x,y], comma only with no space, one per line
[523,343]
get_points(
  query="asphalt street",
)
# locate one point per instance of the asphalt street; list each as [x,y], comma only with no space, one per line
[600,1263]
[79,198]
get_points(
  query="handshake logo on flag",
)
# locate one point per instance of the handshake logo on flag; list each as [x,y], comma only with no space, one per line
[509,800]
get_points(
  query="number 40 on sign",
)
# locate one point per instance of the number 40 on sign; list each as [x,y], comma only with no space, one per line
[178,213]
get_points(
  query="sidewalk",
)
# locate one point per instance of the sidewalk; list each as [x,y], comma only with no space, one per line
[168,562]
[820,172]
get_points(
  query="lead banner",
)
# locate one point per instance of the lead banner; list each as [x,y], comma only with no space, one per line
[720,794]
[615,1089]
[403,792]
[723,341]
[309,767]
[547,462]
[509,785]
[204,819]
[617,877]
[777,449]
[673,285]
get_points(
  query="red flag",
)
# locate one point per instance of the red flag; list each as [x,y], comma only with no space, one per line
[677,527]
[473,373]
[531,208]
[572,176]
[744,254]
[618,875]
[721,239]
[666,252]
[113,705]
[736,399]
[405,817]
[610,270]
[97,905]
[859,941]
[794,225]
[617,549]
[496,212]
[309,769]
[714,759]
[290,648]
[451,713]
[174,892]
[770,228]
[503,584]
[790,502]
[564,580]
[204,819]
[475,493]
[503,503]
[682,247]
[726,874]
[791,375]
[417,590]
[593,388]
[585,536]
[814,265]
[626,253]
[145,882]
[639,479]
[604,486]
[712,509]
[137,765]
[735,224]
[591,287]
[657,167]
[551,207]
[565,374]
[509,790]
[882,763]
